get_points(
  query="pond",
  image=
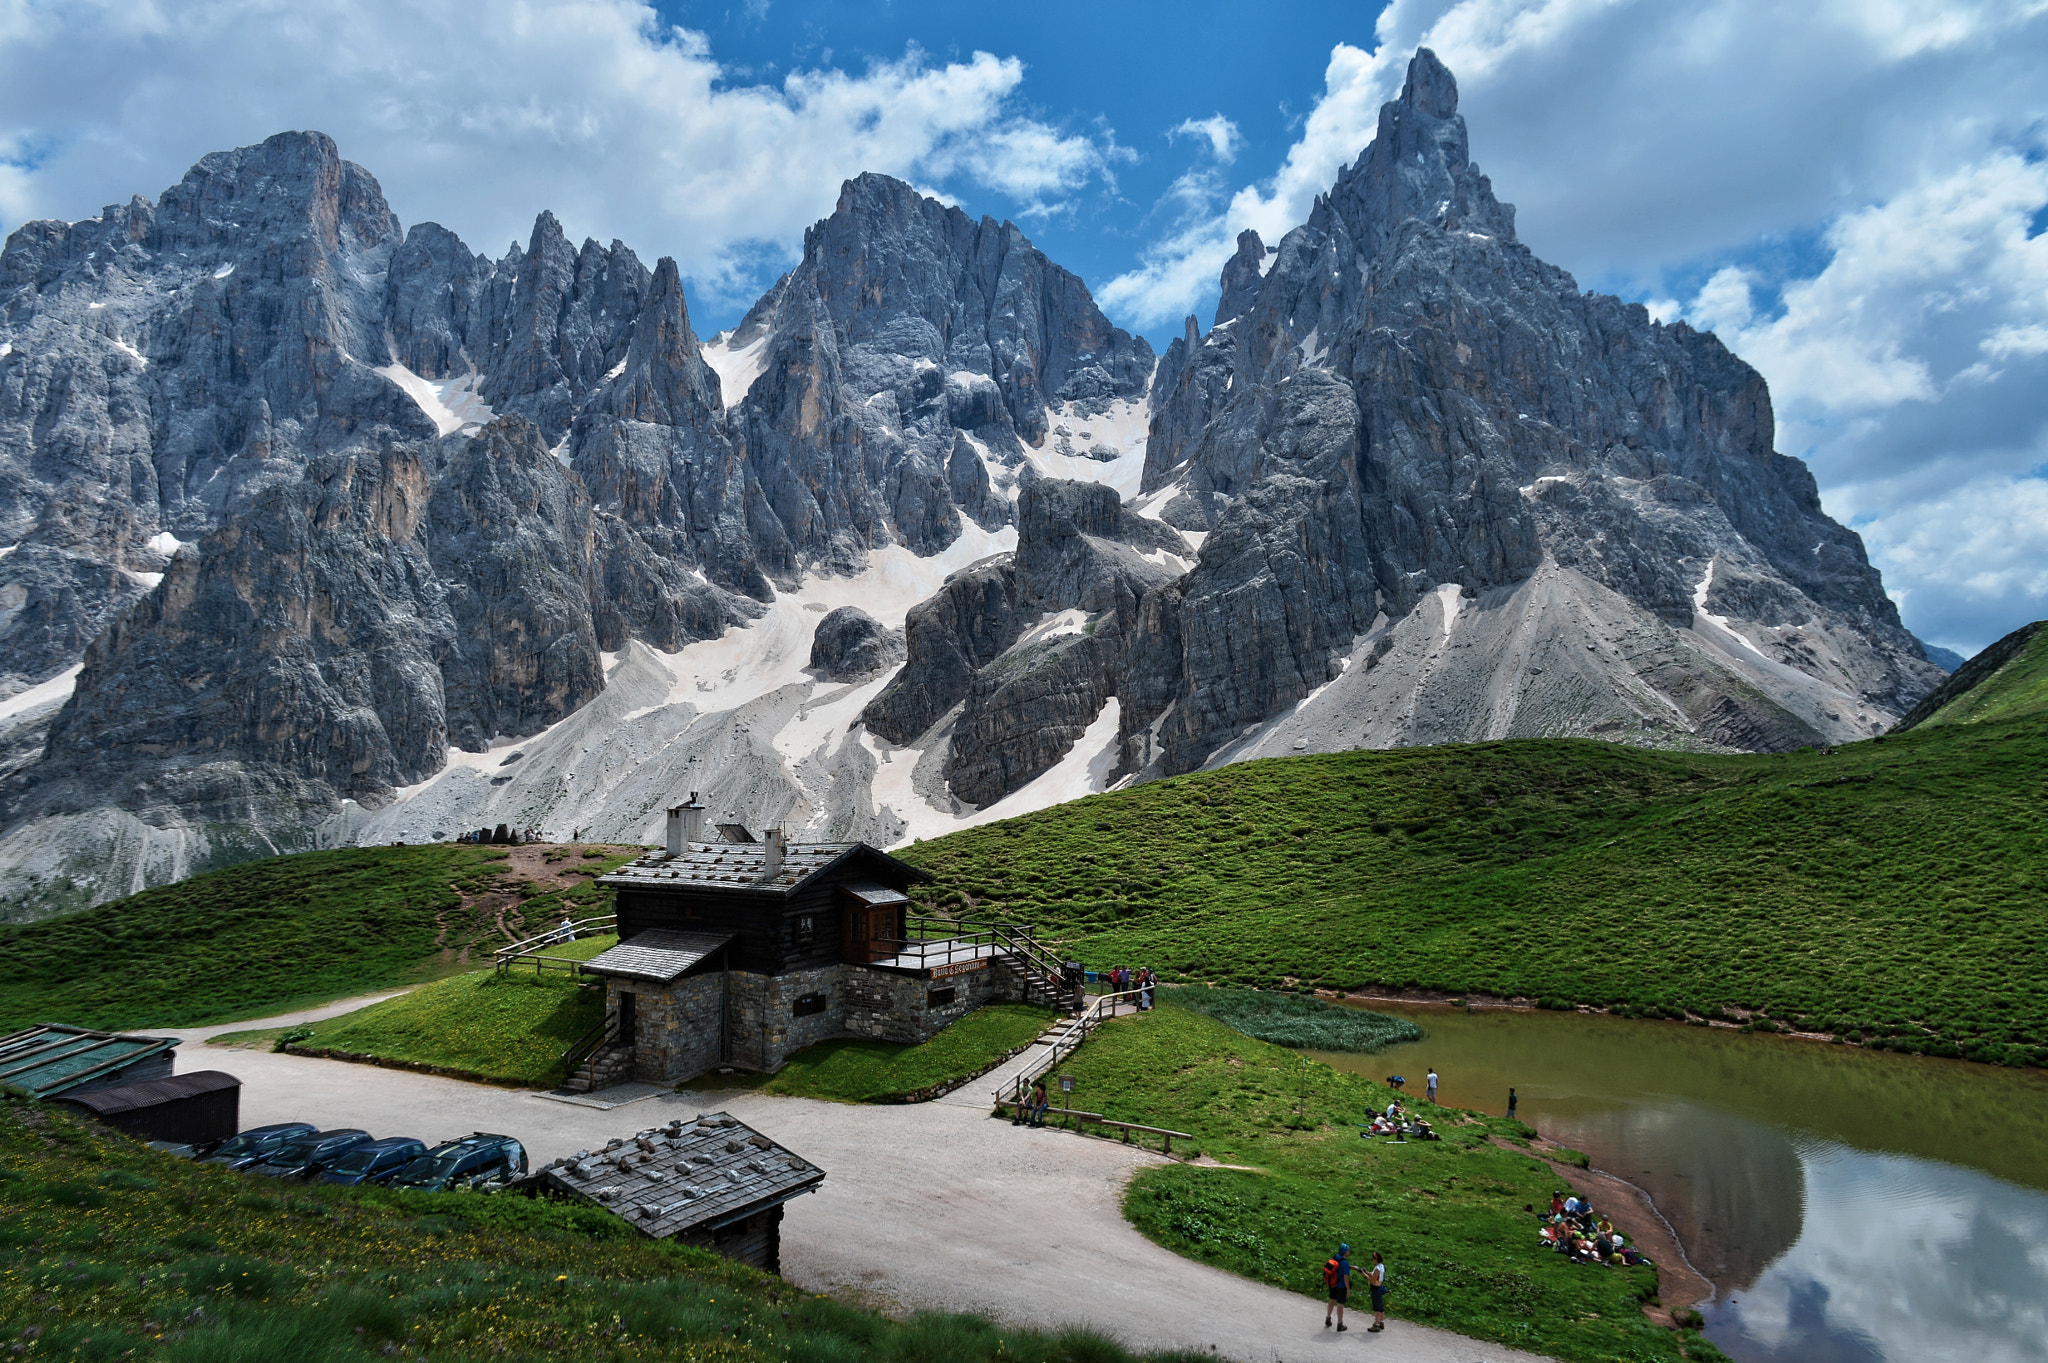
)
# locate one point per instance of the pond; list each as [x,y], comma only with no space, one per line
[1847,1206]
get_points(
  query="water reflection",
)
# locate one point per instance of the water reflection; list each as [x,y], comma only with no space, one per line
[1818,1187]
[1730,1187]
[1902,1259]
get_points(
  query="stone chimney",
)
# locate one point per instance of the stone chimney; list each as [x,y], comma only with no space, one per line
[685,826]
[771,860]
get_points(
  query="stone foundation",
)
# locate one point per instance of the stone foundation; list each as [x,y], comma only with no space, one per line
[751,1021]
[677,1029]
[766,1029]
[890,1006]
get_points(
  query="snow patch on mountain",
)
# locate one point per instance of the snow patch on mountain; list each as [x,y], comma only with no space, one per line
[736,369]
[57,688]
[451,404]
[741,719]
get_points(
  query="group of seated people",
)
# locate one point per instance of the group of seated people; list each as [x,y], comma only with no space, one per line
[1398,1123]
[1573,1229]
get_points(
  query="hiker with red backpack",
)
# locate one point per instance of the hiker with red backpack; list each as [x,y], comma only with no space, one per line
[1337,1278]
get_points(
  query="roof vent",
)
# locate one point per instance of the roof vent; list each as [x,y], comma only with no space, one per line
[685,826]
[771,863]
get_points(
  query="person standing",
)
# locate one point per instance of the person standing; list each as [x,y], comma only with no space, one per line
[1511,1105]
[1337,1280]
[1431,1084]
[1376,1279]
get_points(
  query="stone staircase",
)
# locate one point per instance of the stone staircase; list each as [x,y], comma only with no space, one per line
[604,1067]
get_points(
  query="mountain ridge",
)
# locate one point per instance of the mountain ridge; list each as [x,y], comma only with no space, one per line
[375,565]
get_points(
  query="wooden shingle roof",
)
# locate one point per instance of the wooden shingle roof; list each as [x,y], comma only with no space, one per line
[658,955]
[743,867]
[694,1175]
[150,1092]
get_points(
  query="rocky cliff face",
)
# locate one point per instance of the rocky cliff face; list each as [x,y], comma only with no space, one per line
[305,503]
[1403,402]
[324,531]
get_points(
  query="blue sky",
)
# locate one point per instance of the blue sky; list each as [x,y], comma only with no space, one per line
[1849,192]
[1134,72]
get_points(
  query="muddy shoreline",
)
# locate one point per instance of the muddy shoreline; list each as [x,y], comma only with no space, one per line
[1443,998]
[1634,1213]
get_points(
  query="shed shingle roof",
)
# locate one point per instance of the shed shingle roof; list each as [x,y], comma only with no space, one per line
[743,867]
[54,1057]
[659,955]
[687,1175]
[150,1092]
[873,895]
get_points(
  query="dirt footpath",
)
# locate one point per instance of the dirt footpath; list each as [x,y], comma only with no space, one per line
[931,1207]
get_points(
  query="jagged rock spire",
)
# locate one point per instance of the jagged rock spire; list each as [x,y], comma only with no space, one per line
[1419,167]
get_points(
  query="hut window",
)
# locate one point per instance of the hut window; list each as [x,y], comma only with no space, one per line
[807,1005]
[939,998]
[807,929]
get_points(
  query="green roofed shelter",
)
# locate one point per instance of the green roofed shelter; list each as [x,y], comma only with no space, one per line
[55,1058]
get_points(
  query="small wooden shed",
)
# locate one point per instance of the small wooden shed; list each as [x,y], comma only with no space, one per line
[714,1182]
[191,1109]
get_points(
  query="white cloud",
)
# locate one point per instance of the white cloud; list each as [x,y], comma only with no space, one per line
[479,114]
[1971,563]
[1029,162]
[1918,292]
[1219,132]
[1176,272]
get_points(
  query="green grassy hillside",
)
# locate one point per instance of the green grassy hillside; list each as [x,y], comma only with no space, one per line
[1891,892]
[2012,686]
[267,936]
[112,1251]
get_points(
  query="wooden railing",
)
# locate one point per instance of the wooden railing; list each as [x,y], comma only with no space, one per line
[933,943]
[1078,1031]
[1077,1117]
[591,1042]
[510,955]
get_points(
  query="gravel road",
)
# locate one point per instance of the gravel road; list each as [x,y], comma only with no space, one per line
[931,1207]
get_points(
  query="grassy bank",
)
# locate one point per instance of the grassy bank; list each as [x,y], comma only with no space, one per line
[269,936]
[1448,1215]
[861,1071]
[1890,893]
[508,1028]
[112,1251]
[1293,1020]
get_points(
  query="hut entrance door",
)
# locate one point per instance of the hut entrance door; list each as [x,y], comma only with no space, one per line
[871,933]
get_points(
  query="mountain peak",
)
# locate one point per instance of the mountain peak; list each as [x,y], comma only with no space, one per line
[1431,89]
[288,181]
[1418,167]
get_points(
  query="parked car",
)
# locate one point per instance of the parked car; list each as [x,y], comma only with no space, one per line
[308,1155]
[257,1144]
[180,1150]
[459,1164]
[375,1162]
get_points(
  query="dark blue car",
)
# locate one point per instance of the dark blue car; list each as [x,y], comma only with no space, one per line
[464,1163]
[257,1144]
[308,1155]
[375,1162]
